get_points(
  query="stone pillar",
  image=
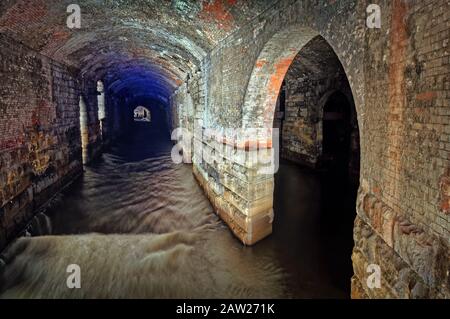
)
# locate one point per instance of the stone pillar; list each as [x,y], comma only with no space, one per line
[84,130]
[234,183]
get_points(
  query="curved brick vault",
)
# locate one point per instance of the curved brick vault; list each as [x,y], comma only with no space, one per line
[220,64]
[168,38]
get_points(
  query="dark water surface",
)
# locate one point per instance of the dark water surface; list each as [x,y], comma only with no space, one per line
[139,226]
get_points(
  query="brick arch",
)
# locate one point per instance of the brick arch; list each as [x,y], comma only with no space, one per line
[269,71]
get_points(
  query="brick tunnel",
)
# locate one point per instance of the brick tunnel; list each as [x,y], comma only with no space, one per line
[224,149]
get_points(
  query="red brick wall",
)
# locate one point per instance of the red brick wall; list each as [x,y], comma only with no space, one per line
[39,133]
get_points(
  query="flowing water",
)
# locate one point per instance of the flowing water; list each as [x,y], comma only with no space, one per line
[139,226]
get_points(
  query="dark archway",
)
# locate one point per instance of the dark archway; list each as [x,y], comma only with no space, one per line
[316,185]
[340,137]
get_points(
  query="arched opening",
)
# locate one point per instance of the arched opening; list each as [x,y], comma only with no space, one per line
[305,93]
[142,114]
[340,137]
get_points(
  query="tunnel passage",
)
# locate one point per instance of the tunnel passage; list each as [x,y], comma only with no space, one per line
[336,131]
[142,114]
[220,64]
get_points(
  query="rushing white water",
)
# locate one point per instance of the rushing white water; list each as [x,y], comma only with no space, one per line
[138,226]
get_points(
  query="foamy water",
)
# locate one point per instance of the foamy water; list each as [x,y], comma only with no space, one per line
[138,226]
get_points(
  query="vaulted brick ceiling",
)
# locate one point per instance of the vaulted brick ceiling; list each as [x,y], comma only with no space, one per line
[129,43]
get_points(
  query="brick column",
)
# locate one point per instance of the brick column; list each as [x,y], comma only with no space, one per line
[240,193]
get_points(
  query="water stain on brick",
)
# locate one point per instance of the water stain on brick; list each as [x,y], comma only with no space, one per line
[426,96]
[218,11]
[396,90]
[277,77]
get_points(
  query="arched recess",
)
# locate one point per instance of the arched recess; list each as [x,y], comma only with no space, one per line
[269,71]
[84,130]
[142,114]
